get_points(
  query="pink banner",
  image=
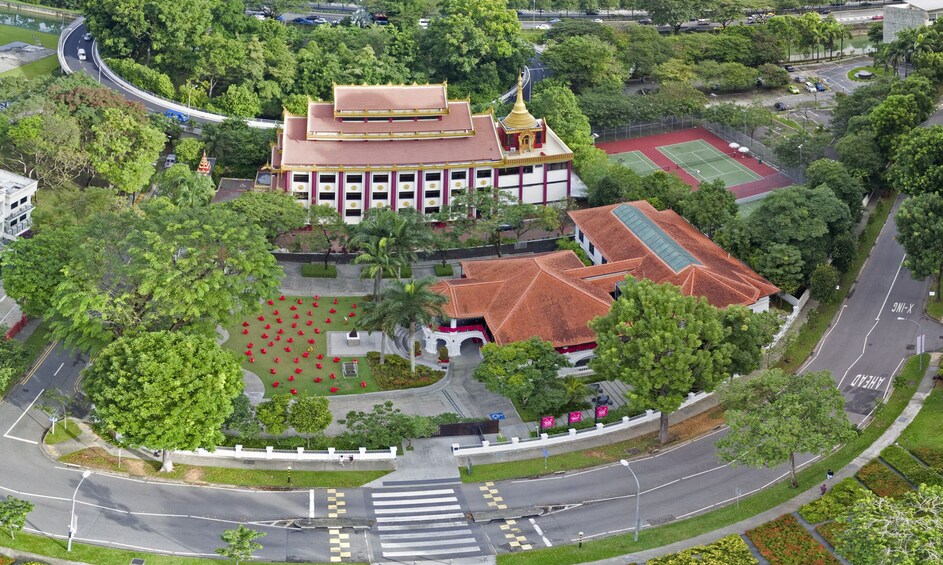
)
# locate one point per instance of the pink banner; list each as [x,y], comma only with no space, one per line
[546,422]
[575,417]
[602,411]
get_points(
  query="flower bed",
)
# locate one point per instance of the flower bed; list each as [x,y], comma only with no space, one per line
[730,550]
[836,501]
[932,457]
[830,531]
[286,345]
[395,373]
[784,541]
[317,270]
[882,480]
[900,459]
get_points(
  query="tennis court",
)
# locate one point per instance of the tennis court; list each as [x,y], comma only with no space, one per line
[637,161]
[705,163]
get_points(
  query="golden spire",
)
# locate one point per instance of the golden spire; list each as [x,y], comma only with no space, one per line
[519,118]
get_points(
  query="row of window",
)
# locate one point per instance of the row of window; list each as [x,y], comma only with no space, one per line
[356,178]
[19,203]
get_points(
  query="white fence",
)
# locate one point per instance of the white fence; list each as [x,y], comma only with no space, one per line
[272,454]
[797,305]
[572,435]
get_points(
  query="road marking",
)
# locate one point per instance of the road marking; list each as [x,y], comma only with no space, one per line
[40,361]
[824,337]
[393,519]
[56,374]
[7,435]
[540,533]
[419,509]
[491,495]
[419,501]
[411,493]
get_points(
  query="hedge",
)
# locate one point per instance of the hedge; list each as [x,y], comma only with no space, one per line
[882,481]
[932,457]
[143,77]
[900,459]
[395,373]
[835,503]
[830,531]
[404,273]
[784,541]
[444,270]
[730,550]
[318,270]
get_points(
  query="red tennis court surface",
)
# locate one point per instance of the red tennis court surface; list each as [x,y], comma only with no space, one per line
[772,179]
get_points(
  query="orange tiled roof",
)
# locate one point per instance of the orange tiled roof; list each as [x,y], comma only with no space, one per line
[714,274]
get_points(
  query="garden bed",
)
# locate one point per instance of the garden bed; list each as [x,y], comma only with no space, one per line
[835,503]
[403,273]
[830,531]
[729,550]
[901,459]
[932,457]
[784,541]
[317,270]
[882,480]
[444,270]
[287,344]
[394,374]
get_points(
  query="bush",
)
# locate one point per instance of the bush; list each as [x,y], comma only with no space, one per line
[404,273]
[784,541]
[572,245]
[830,531]
[317,270]
[143,77]
[395,374]
[900,459]
[932,457]
[836,501]
[730,550]
[882,481]
[613,416]
[444,270]
[823,282]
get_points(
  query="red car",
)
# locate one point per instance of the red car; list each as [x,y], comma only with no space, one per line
[877,17]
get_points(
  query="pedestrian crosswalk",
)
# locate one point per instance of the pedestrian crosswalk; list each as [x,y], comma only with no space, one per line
[423,521]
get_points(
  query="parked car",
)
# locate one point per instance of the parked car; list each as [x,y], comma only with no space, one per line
[597,20]
[820,87]
[780,106]
[877,17]
[177,116]
[318,20]
[87,37]
[825,11]
[793,89]
[789,68]
[304,21]
[810,87]
[799,78]
[543,26]
[81,55]
[170,161]
[555,21]
[645,21]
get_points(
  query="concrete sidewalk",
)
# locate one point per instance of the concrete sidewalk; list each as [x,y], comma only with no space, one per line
[348,281]
[887,438]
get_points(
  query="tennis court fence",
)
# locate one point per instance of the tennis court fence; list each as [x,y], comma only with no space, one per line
[757,149]
[643,129]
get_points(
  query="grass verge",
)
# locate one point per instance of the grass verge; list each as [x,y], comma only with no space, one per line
[682,431]
[35,343]
[821,318]
[97,458]
[749,506]
[934,306]
[64,431]
[926,431]
[41,68]
[9,34]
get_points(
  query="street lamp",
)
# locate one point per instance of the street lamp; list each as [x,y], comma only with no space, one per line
[638,496]
[919,339]
[72,525]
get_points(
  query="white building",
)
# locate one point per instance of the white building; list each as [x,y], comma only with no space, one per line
[16,206]
[912,14]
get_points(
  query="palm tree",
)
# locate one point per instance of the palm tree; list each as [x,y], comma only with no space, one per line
[575,390]
[379,259]
[412,303]
[378,317]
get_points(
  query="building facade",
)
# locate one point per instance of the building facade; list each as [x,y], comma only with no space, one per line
[16,204]
[910,15]
[409,146]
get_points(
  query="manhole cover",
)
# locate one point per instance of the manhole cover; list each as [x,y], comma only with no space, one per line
[137,561]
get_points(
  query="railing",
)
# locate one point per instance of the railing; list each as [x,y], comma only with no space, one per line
[19,228]
[272,454]
[60,48]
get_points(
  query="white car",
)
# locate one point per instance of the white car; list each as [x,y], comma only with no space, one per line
[170,161]
[82,56]
[543,26]
[597,20]
[87,37]
[423,23]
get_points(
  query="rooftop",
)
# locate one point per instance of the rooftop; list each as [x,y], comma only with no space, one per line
[322,124]
[927,5]
[380,99]
[12,182]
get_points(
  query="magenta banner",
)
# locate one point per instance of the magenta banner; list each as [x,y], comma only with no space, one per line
[575,417]
[546,422]
[602,411]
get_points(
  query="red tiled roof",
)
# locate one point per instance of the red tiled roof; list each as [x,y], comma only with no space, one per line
[716,275]
[520,298]
[298,151]
[321,122]
[402,98]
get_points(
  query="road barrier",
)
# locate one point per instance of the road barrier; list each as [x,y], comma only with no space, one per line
[60,48]
[272,454]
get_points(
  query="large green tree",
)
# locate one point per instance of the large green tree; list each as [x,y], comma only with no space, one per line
[558,106]
[710,207]
[917,166]
[32,268]
[412,304]
[184,187]
[776,415]
[161,268]
[662,344]
[123,150]
[896,116]
[920,232]
[275,212]
[670,12]
[310,415]
[747,333]
[241,544]
[905,530]
[64,208]
[782,264]
[164,390]
[845,185]
[585,61]
[527,372]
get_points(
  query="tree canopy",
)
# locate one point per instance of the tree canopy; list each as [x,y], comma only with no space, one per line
[275,212]
[920,232]
[527,372]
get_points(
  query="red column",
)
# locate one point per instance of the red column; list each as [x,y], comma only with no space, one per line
[366,191]
[392,194]
[546,167]
[340,194]
[446,188]
[419,183]
[569,175]
[520,183]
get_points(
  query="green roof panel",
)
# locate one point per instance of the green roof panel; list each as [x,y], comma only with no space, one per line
[667,249]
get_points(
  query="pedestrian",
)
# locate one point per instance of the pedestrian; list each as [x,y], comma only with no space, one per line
[341,460]
[350,459]
[829,474]
[823,489]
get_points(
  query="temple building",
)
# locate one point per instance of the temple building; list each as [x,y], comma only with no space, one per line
[409,146]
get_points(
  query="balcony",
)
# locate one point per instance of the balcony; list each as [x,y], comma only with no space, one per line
[11,230]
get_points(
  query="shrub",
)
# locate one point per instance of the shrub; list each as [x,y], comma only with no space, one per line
[613,416]
[730,550]
[836,501]
[784,541]
[881,480]
[143,77]
[932,457]
[395,374]
[318,270]
[830,531]
[443,353]
[4,560]
[572,245]
[404,273]
[823,282]
[444,270]
[900,459]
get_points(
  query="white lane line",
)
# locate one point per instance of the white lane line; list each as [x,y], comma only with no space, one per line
[540,533]
[427,543]
[429,518]
[61,365]
[116,544]
[429,552]
[419,509]
[7,435]
[415,501]
[825,337]
[407,493]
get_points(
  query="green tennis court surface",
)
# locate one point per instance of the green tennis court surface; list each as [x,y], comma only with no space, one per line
[705,162]
[637,161]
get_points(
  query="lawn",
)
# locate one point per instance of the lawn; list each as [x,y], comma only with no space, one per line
[877,71]
[9,34]
[64,431]
[934,306]
[97,458]
[43,67]
[926,431]
[287,342]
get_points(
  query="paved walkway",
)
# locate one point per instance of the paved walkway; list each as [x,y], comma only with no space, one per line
[887,438]
[348,281]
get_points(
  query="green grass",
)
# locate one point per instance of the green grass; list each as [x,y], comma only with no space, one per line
[535,36]
[97,458]
[444,270]
[9,34]
[404,273]
[934,306]
[35,344]
[788,123]
[878,72]
[41,68]
[317,270]
[820,319]
[926,431]
[749,506]
[262,363]
[64,431]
